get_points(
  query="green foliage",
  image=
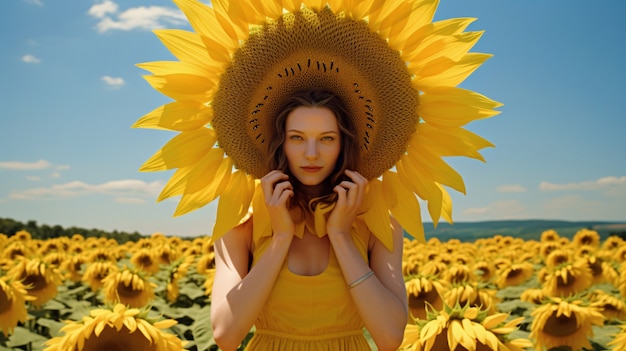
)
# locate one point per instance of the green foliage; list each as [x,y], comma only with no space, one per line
[523,229]
[10,226]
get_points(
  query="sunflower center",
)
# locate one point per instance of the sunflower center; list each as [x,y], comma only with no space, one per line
[34,282]
[560,326]
[127,290]
[514,273]
[111,339]
[596,267]
[417,304]
[145,261]
[441,343]
[565,282]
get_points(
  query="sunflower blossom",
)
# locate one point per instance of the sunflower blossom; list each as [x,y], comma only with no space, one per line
[13,297]
[119,328]
[436,57]
[465,328]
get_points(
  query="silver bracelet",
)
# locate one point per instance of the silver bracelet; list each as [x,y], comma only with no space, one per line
[361,280]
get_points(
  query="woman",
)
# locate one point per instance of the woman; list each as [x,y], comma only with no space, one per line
[305,288]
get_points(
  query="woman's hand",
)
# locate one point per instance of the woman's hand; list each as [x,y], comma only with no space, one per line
[277,190]
[350,197]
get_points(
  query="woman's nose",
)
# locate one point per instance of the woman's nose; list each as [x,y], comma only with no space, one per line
[311,149]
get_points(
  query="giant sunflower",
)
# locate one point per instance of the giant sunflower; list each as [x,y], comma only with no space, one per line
[564,323]
[219,63]
[128,287]
[467,328]
[119,328]
[39,280]
[13,297]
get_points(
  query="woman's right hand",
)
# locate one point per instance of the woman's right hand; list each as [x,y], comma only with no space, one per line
[277,191]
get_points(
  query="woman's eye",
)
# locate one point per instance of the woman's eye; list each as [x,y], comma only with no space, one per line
[328,138]
[295,137]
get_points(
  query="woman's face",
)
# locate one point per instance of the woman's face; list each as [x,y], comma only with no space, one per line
[312,143]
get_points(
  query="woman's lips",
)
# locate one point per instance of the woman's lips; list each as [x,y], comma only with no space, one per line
[311,169]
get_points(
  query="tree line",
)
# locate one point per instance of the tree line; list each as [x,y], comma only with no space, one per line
[10,226]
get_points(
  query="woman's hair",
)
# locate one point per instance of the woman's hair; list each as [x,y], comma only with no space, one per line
[348,156]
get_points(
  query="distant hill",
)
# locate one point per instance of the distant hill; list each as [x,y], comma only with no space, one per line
[524,229]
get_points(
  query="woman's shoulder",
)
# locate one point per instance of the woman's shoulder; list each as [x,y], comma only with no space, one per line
[242,233]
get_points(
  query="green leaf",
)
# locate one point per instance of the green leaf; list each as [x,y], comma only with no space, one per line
[52,325]
[202,329]
[22,336]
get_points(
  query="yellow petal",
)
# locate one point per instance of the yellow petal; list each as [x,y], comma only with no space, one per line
[405,208]
[451,141]
[233,204]
[187,47]
[178,115]
[262,225]
[445,72]
[422,42]
[183,150]
[203,190]
[455,107]
[421,16]
[434,168]
[207,23]
[180,86]
[377,215]
[425,188]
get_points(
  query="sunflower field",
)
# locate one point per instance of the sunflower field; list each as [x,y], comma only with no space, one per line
[497,293]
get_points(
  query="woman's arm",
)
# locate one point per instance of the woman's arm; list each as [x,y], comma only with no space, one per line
[380,299]
[238,294]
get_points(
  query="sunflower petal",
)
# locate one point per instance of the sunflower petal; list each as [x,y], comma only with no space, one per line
[377,216]
[406,208]
[183,150]
[178,116]
[233,204]
[438,105]
[181,86]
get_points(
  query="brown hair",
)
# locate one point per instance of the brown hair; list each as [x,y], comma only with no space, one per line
[348,157]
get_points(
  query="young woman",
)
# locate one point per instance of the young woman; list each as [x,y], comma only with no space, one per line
[320,276]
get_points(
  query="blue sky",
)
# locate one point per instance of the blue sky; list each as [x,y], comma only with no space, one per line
[70,92]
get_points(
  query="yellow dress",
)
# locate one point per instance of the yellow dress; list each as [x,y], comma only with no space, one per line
[310,313]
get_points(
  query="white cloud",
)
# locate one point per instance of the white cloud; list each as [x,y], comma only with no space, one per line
[505,209]
[147,18]
[25,166]
[130,200]
[102,9]
[118,188]
[604,183]
[33,178]
[475,211]
[511,188]
[30,59]
[113,82]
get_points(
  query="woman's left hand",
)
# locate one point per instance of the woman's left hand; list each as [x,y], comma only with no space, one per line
[350,195]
